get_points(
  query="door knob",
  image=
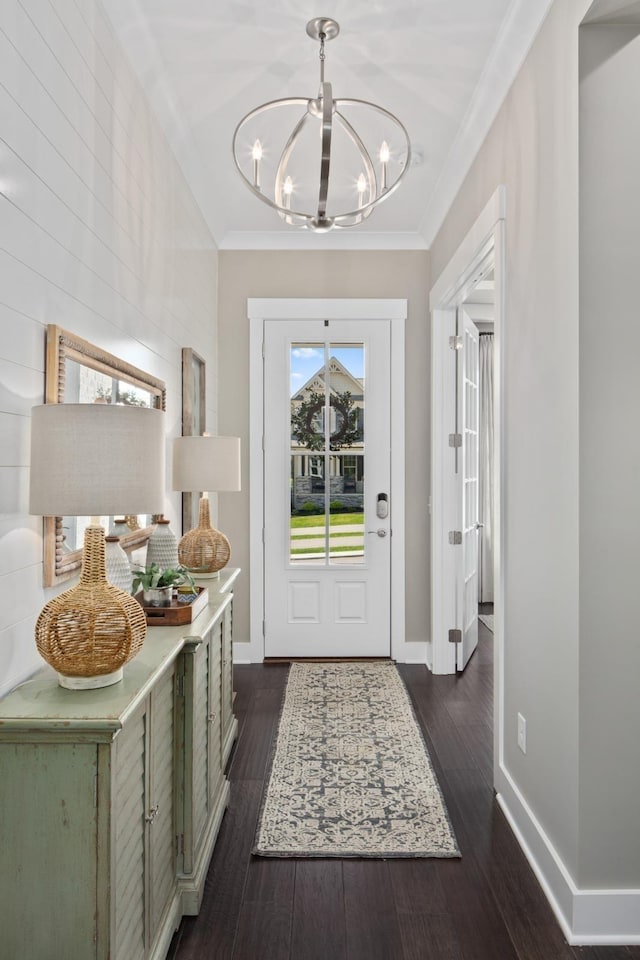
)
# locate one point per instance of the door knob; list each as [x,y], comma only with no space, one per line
[379,532]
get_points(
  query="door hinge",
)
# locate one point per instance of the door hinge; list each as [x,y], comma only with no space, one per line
[455,439]
[455,537]
[264,628]
[455,343]
[263,536]
[455,636]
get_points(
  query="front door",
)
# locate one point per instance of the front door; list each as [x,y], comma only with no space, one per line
[327,497]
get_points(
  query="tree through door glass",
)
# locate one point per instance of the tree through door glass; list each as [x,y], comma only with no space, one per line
[327,409]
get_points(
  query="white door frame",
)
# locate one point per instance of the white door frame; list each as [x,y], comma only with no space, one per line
[260,312]
[484,241]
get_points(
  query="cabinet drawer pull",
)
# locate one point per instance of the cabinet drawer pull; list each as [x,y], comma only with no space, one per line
[212,717]
[153,813]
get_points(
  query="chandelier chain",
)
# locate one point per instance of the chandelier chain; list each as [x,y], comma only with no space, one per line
[322,56]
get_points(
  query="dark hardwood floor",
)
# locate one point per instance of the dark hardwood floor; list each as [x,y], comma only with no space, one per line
[486,906]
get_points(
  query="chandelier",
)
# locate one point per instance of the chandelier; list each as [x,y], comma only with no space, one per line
[328,165]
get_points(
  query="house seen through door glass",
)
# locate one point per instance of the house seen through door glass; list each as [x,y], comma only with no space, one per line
[327,411]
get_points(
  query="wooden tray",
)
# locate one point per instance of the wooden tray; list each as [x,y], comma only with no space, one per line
[176,613]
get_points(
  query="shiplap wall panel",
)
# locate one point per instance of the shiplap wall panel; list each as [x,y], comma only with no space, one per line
[21,543]
[99,234]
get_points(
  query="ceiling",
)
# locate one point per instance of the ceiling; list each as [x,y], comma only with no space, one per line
[442,66]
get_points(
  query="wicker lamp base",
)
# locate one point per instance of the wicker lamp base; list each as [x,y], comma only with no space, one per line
[88,633]
[204,551]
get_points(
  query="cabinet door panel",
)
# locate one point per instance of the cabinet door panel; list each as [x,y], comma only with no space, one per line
[200,737]
[161,798]
[215,715]
[48,889]
[128,812]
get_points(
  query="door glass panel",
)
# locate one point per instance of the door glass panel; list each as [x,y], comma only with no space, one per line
[308,519]
[346,445]
[327,454]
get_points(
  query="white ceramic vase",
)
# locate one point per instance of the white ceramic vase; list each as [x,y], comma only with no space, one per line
[117,563]
[162,547]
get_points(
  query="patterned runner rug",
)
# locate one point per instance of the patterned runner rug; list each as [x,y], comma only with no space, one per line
[351,775]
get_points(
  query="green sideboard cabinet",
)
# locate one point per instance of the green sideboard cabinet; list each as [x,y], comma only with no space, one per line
[111,799]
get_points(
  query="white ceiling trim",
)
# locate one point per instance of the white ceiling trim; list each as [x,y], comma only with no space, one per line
[518,32]
[333,240]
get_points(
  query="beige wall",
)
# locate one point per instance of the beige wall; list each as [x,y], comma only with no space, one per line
[99,234]
[532,148]
[333,274]
[571,465]
[609,455]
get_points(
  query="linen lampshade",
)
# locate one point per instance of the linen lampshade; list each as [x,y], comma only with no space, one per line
[210,464]
[91,460]
[94,458]
[206,463]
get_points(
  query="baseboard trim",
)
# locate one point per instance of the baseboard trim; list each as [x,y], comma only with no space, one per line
[597,917]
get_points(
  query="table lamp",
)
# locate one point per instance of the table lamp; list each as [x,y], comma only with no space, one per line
[94,460]
[211,464]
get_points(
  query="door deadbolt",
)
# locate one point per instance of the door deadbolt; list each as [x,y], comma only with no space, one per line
[382,506]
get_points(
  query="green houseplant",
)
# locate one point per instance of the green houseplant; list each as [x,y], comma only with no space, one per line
[157,584]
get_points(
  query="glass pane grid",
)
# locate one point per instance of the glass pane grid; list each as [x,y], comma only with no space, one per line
[326,524]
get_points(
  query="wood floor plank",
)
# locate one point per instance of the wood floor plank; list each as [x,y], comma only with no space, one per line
[426,919]
[254,743]
[270,880]
[430,937]
[373,932]
[319,925]
[480,929]
[264,932]
[211,935]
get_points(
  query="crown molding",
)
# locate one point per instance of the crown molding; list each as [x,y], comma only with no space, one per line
[515,39]
[333,240]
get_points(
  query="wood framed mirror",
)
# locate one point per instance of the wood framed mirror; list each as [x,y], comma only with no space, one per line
[79,372]
[193,421]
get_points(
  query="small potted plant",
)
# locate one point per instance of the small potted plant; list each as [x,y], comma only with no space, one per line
[157,584]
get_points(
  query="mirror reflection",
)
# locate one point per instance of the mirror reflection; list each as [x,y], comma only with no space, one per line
[79,372]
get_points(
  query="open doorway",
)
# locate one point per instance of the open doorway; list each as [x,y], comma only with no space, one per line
[479,260]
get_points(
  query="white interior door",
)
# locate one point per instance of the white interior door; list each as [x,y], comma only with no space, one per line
[327,496]
[468,378]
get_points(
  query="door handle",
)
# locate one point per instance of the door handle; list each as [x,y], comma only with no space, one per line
[379,532]
[479,525]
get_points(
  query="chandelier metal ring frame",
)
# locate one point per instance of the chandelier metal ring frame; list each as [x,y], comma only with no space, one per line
[327,110]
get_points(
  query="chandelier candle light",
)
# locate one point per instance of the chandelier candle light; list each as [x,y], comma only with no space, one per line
[211,464]
[322,138]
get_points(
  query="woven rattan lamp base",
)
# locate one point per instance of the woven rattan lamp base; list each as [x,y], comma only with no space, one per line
[204,551]
[88,633]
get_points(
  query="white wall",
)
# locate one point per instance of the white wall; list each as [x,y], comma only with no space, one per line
[382,274]
[98,234]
